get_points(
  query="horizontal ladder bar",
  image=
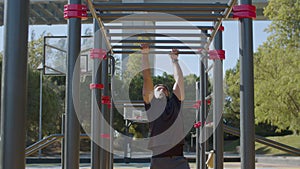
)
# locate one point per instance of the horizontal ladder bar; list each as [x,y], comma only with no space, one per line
[162,9]
[153,52]
[160,34]
[118,17]
[161,27]
[110,5]
[158,41]
[156,47]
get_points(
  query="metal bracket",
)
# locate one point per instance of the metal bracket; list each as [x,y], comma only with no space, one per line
[216,54]
[106,100]
[75,11]
[98,54]
[244,11]
[96,86]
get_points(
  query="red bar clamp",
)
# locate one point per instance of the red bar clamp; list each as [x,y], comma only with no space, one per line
[244,11]
[106,136]
[106,100]
[96,86]
[198,104]
[199,124]
[75,11]
[221,28]
[216,54]
[98,54]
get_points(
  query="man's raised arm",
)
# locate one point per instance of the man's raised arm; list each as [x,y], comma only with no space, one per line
[148,83]
[178,88]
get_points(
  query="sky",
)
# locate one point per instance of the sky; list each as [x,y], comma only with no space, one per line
[189,64]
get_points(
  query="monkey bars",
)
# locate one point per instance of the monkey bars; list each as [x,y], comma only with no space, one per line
[211,14]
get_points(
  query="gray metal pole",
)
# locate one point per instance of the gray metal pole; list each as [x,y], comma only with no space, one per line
[198,114]
[247,92]
[96,100]
[218,135]
[14,84]
[63,117]
[72,129]
[202,117]
[41,109]
[202,114]
[104,154]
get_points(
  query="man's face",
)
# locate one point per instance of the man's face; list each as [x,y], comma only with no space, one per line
[160,92]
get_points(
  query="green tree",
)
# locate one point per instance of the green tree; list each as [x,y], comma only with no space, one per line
[277,71]
[232,96]
[53,95]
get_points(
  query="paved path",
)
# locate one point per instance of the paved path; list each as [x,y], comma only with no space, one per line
[146,166]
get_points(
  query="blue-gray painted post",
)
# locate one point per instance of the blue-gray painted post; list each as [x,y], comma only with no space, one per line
[72,129]
[14,84]
[104,154]
[96,100]
[218,135]
[246,92]
[198,150]
[202,117]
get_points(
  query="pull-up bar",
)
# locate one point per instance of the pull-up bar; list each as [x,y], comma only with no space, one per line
[157,17]
[159,41]
[156,47]
[136,27]
[154,52]
[168,10]
[160,34]
[175,6]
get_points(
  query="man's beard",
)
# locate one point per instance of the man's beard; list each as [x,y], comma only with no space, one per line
[160,95]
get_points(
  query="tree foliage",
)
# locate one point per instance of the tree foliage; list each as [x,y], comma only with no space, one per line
[232,96]
[277,71]
[52,95]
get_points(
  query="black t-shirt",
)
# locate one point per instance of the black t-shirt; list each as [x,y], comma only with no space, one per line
[162,114]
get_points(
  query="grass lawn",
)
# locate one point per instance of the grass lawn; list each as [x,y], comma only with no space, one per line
[290,140]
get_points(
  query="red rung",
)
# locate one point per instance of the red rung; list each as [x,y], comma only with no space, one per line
[96,86]
[244,11]
[98,54]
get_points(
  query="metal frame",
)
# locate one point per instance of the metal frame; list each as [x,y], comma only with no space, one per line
[16,29]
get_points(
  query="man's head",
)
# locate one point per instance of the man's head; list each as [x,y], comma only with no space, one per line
[161,91]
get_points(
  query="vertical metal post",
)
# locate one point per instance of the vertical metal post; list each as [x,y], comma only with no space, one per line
[218,135]
[198,118]
[14,84]
[111,132]
[63,116]
[203,109]
[246,92]
[96,100]
[41,110]
[104,154]
[72,129]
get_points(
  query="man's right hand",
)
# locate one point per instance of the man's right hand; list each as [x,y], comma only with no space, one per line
[145,48]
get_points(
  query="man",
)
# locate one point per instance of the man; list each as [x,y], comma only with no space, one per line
[165,117]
